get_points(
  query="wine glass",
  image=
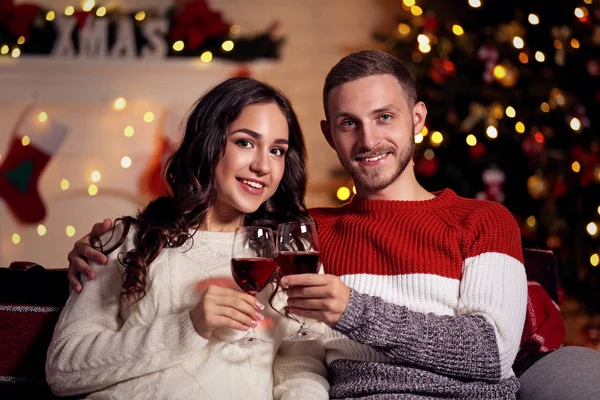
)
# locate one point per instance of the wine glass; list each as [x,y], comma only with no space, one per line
[252,264]
[298,253]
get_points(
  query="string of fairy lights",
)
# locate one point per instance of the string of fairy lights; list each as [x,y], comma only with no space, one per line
[505,75]
[95,176]
[88,6]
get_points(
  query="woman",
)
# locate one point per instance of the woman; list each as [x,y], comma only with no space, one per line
[157,320]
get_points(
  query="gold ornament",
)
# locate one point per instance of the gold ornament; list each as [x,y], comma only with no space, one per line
[537,187]
[553,241]
[511,76]
[507,32]
[557,99]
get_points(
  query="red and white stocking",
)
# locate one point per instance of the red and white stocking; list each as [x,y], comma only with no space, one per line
[32,145]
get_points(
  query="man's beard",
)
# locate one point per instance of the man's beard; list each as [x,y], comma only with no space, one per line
[374,179]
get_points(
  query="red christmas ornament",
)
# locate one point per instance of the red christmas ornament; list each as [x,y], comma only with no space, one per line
[533,147]
[560,188]
[477,151]
[431,24]
[427,167]
[441,70]
[577,153]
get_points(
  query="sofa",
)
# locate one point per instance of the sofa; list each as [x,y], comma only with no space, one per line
[31,298]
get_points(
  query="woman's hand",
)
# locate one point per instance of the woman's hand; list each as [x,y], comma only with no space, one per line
[222,307]
[83,252]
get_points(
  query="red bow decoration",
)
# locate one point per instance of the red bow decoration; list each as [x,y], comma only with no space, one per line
[18,18]
[195,23]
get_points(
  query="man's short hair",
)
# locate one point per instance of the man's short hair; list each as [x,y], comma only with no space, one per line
[368,63]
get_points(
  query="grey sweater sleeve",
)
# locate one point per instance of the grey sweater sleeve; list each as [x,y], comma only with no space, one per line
[461,346]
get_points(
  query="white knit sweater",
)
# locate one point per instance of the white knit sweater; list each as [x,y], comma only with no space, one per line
[150,350]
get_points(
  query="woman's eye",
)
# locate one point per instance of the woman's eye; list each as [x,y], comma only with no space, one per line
[245,143]
[278,152]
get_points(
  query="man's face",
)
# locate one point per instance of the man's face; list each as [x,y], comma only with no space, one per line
[372,128]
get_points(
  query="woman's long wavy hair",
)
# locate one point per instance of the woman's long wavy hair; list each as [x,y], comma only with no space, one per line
[171,221]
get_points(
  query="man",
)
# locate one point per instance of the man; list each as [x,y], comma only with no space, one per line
[432,291]
[425,293]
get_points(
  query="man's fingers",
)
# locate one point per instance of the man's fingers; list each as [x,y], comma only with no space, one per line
[306,280]
[82,249]
[311,314]
[100,228]
[74,281]
[313,292]
[90,253]
[81,268]
[309,304]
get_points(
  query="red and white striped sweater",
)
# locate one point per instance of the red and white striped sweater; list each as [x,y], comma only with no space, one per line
[438,298]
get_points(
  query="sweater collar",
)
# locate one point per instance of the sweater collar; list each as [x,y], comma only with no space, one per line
[443,197]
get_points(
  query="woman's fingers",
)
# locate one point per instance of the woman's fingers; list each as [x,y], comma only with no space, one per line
[232,303]
[225,308]
[224,322]
[236,316]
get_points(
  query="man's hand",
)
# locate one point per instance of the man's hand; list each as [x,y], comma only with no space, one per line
[317,296]
[82,252]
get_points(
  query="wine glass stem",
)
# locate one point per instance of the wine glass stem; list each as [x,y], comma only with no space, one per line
[302,325]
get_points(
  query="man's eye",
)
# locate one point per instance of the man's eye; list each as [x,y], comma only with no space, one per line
[386,117]
[245,143]
[348,123]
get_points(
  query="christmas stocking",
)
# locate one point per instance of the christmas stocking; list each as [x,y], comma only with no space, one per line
[168,135]
[33,144]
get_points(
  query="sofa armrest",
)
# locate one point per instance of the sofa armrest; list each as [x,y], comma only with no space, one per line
[31,299]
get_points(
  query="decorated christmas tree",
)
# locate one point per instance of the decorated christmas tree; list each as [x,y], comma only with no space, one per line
[512,94]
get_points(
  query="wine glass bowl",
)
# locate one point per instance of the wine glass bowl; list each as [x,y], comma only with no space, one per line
[252,265]
[252,274]
[298,252]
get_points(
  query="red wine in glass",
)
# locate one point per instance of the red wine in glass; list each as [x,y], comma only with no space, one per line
[290,262]
[252,274]
[298,253]
[252,264]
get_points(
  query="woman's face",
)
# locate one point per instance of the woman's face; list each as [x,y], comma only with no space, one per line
[254,160]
